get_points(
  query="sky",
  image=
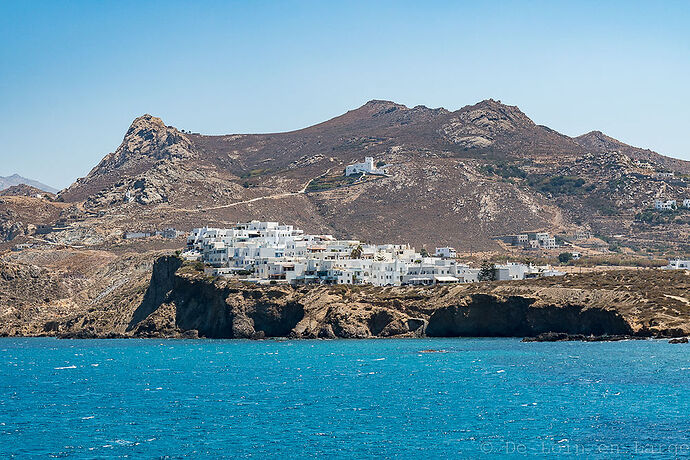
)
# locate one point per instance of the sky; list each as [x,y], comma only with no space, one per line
[74,74]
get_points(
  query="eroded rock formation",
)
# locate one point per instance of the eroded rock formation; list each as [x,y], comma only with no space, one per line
[82,294]
[180,300]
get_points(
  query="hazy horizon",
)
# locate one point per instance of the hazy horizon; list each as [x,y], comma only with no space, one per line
[80,72]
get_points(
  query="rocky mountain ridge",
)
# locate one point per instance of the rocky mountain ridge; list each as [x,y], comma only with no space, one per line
[25,190]
[456,178]
[598,142]
[147,146]
[16,179]
[460,178]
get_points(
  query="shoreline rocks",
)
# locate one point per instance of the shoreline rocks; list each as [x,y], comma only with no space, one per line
[173,299]
[565,337]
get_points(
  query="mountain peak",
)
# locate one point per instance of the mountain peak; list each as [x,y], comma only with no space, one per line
[24,190]
[494,114]
[380,102]
[394,112]
[147,142]
[596,134]
[492,104]
[146,122]
[384,112]
[598,141]
[16,179]
[379,106]
[148,135]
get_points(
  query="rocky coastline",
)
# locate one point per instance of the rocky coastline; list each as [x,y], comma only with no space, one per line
[176,300]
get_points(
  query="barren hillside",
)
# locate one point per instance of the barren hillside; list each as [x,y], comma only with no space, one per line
[459,178]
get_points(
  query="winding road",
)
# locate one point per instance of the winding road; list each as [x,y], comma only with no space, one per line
[302,191]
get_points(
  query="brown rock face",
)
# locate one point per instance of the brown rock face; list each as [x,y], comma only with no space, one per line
[488,316]
[20,215]
[479,125]
[212,311]
[82,294]
[10,227]
[457,178]
[25,190]
[179,300]
[149,137]
[147,145]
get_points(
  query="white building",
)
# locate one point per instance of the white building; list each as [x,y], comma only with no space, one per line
[511,271]
[432,270]
[447,253]
[665,175]
[367,167]
[686,203]
[678,264]
[532,240]
[545,240]
[267,252]
[668,205]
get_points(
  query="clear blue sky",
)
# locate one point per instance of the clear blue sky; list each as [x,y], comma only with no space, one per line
[74,74]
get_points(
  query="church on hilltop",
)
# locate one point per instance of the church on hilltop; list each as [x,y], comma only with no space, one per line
[367,167]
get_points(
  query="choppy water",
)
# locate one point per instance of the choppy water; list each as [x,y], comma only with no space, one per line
[151,398]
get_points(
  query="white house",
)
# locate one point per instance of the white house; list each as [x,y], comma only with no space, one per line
[667,205]
[216,253]
[545,240]
[268,252]
[432,270]
[368,167]
[511,271]
[531,240]
[686,203]
[549,242]
[678,264]
[665,175]
[446,253]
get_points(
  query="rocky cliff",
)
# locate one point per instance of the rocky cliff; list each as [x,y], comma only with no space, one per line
[181,301]
[148,146]
[94,294]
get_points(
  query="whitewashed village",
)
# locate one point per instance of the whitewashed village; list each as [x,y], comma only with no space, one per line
[274,253]
[270,252]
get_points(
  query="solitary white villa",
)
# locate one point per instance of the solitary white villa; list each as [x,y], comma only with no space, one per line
[367,167]
[678,264]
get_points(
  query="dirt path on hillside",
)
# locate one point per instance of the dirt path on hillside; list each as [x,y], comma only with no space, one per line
[302,191]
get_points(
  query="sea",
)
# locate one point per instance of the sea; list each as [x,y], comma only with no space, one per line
[384,398]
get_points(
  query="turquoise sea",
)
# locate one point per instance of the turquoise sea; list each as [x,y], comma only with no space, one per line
[346,399]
